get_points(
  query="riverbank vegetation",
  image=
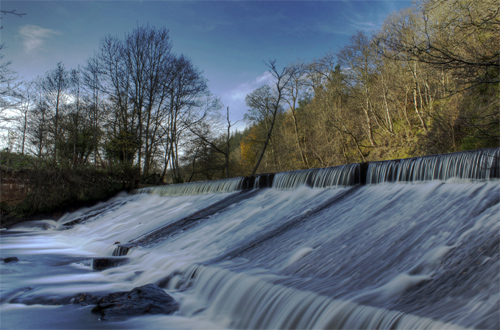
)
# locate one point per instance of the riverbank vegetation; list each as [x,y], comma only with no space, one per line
[427,82]
[29,191]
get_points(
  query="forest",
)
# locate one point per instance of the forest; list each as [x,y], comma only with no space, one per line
[427,82]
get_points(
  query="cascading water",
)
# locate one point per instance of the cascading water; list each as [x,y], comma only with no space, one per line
[318,178]
[195,188]
[476,165]
[319,250]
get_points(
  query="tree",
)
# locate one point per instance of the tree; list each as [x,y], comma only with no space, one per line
[55,86]
[229,137]
[205,133]
[8,87]
[459,35]
[359,57]
[92,81]
[148,61]
[39,127]
[154,96]
[187,94]
[27,99]
[9,12]
[334,115]
[294,92]
[265,103]
[451,51]
[108,65]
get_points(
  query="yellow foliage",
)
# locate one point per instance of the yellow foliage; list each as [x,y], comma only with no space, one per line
[248,148]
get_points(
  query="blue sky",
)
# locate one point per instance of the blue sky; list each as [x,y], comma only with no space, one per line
[227,40]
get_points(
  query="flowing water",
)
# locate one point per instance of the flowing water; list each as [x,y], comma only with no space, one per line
[413,245]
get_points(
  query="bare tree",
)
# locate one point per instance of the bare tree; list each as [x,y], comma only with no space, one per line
[461,36]
[27,99]
[92,76]
[10,12]
[187,92]
[294,91]
[229,137]
[265,103]
[8,87]
[204,132]
[359,56]
[148,60]
[154,94]
[110,77]
[55,84]
[39,127]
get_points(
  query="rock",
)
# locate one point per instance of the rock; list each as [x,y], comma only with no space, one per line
[84,299]
[105,263]
[10,259]
[147,299]
[29,296]
[121,250]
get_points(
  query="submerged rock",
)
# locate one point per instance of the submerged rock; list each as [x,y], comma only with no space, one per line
[84,299]
[147,299]
[105,263]
[29,296]
[121,250]
[9,259]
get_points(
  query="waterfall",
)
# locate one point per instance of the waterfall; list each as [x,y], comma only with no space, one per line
[249,302]
[195,188]
[344,175]
[233,254]
[475,165]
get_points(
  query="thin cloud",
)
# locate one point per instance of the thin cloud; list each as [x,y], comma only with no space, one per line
[366,26]
[35,36]
[210,25]
[371,20]
[325,28]
[235,98]
[242,90]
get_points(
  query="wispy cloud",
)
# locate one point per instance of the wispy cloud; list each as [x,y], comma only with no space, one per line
[235,97]
[242,90]
[327,28]
[210,25]
[373,16]
[363,25]
[35,36]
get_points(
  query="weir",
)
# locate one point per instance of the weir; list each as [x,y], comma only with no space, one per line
[402,244]
[193,188]
[481,164]
[474,165]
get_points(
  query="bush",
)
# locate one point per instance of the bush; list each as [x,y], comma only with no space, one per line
[56,190]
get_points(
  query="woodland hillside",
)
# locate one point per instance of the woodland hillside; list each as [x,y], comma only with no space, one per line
[427,82]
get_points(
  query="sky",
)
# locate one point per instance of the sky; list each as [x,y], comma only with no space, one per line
[227,40]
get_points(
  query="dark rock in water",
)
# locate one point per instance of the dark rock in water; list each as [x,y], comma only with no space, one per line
[121,250]
[35,224]
[10,259]
[29,296]
[33,299]
[84,299]
[147,299]
[105,263]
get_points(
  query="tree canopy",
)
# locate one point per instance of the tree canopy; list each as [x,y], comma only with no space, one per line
[427,82]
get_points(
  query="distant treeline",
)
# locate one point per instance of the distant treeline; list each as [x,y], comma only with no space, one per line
[426,83]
